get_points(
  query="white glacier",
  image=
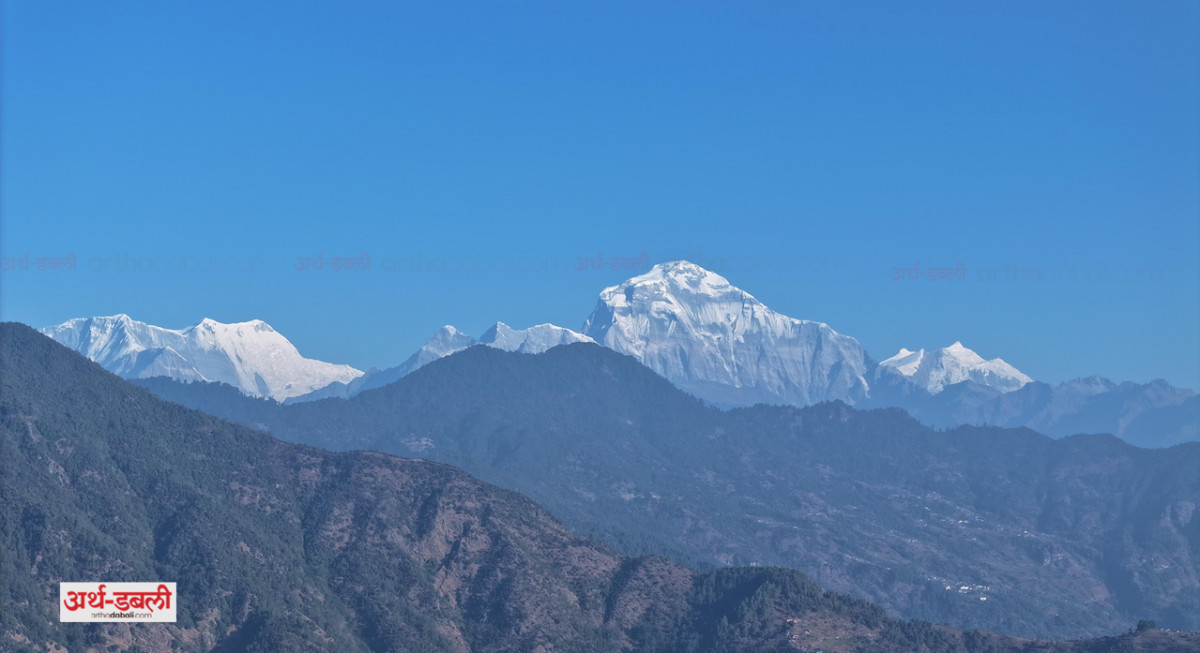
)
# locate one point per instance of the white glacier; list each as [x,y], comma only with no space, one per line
[688,324]
[720,343]
[933,371]
[534,340]
[250,356]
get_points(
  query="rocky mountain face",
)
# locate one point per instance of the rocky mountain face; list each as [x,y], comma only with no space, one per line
[697,330]
[1003,529]
[720,343]
[279,547]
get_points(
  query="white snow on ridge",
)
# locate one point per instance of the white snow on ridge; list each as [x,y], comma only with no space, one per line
[934,371]
[709,337]
[690,325]
[250,356]
[446,341]
[905,362]
[534,340]
[449,340]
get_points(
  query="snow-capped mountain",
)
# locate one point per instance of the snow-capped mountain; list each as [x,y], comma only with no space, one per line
[449,340]
[534,340]
[720,343]
[250,356]
[933,371]
[446,341]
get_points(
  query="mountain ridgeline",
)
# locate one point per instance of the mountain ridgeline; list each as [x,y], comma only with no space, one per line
[282,547]
[251,356]
[1003,529]
[1153,414]
[719,343]
[697,330]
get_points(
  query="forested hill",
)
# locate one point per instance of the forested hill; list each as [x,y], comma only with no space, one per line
[1002,529]
[280,547]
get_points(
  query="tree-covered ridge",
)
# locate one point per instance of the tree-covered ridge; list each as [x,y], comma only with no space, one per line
[1002,529]
[281,547]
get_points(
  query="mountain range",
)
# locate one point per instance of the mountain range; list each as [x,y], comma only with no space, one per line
[449,340]
[281,547]
[700,332]
[1154,414]
[250,356]
[721,344]
[1002,529]
[954,364]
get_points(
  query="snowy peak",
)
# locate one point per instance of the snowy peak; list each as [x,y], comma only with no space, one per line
[534,340]
[445,342]
[685,278]
[449,340]
[671,286]
[905,362]
[250,356]
[964,355]
[954,364]
[717,341]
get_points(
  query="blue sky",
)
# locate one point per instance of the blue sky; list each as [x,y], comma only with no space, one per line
[803,150]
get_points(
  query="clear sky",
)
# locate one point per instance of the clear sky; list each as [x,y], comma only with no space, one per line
[475,150]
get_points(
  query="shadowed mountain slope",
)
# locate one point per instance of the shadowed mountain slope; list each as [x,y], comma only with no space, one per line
[1003,529]
[279,547]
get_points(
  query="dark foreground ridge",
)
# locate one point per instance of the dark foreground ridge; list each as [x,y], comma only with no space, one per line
[280,547]
[999,529]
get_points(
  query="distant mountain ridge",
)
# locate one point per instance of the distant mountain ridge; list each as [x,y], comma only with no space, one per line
[1065,537]
[709,338]
[534,340]
[1153,414]
[720,343]
[283,548]
[954,364]
[449,340]
[250,356]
